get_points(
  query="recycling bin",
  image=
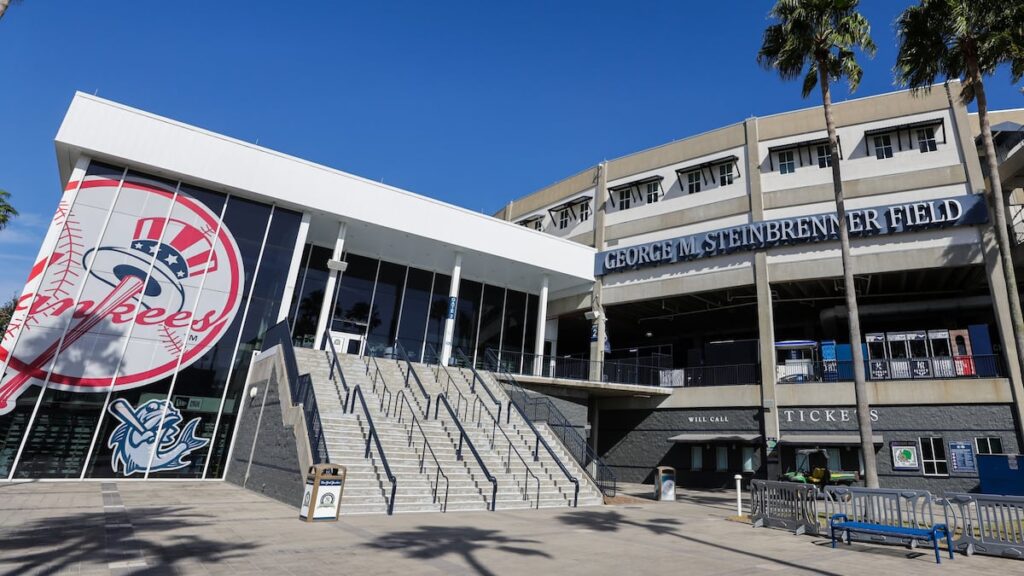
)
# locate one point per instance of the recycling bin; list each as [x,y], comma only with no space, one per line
[322,496]
[665,483]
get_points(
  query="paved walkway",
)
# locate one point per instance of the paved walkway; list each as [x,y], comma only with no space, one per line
[217,528]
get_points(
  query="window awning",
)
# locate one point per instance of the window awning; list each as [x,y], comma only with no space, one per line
[800,146]
[899,129]
[731,159]
[531,220]
[700,437]
[570,204]
[634,185]
[826,439]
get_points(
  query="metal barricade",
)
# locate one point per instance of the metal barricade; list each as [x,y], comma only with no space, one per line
[991,524]
[888,507]
[785,505]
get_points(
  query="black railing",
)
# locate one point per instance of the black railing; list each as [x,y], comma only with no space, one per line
[465,440]
[334,369]
[477,414]
[415,426]
[403,356]
[380,387]
[301,389]
[722,375]
[477,379]
[941,368]
[373,439]
[522,403]
[538,408]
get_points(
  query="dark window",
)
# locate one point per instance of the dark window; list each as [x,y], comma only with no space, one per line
[787,163]
[515,316]
[563,218]
[309,294]
[725,174]
[466,316]
[989,445]
[926,139]
[824,158]
[585,211]
[653,192]
[386,301]
[415,308]
[354,293]
[490,320]
[625,198]
[693,182]
[438,315]
[933,456]
[883,146]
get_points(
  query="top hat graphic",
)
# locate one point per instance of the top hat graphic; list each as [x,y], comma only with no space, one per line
[180,249]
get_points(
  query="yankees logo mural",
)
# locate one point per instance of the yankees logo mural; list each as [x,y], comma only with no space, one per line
[131,267]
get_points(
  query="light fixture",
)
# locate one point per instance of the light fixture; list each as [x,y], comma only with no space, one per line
[252,392]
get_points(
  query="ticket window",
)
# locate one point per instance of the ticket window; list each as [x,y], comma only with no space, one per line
[899,354]
[941,353]
[963,361]
[878,357]
[917,343]
[876,347]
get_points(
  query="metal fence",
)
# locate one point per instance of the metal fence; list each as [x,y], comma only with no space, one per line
[887,507]
[785,505]
[990,524]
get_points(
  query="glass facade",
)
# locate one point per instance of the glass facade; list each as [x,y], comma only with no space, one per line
[387,304]
[147,314]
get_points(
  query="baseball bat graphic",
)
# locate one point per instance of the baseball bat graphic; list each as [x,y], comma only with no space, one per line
[127,415]
[127,289]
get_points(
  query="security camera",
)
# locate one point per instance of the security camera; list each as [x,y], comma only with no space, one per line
[592,315]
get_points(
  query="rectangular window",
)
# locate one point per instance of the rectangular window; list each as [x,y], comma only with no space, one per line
[696,458]
[721,458]
[834,459]
[563,218]
[748,459]
[625,198]
[725,174]
[824,158]
[883,146]
[926,139]
[693,181]
[653,192]
[933,456]
[787,164]
[585,211]
[989,445]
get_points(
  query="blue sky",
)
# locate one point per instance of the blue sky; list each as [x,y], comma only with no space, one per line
[475,103]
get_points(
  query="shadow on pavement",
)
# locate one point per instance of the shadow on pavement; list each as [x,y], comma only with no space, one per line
[436,542]
[611,521]
[78,542]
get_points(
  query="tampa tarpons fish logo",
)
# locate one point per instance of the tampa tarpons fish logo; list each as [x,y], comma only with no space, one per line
[146,427]
[135,282]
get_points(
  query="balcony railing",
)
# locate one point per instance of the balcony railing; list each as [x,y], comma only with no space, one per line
[942,368]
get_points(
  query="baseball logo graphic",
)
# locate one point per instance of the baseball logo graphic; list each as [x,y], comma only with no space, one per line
[136,436]
[133,268]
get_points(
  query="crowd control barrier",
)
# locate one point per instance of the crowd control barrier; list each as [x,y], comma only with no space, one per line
[990,524]
[887,507]
[785,505]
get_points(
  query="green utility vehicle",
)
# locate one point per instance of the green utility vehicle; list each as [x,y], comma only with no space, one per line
[812,468]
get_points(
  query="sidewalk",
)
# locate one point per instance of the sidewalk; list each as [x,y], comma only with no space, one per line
[217,528]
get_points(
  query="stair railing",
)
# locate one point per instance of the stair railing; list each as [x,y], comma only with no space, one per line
[301,389]
[373,439]
[465,439]
[334,372]
[415,426]
[540,408]
[409,372]
[377,379]
[478,379]
[480,410]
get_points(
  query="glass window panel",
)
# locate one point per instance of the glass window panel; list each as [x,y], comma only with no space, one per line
[309,296]
[530,336]
[490,320]
[515,315]
[386,301]
[415,307]
[438,315]
[355,291]
[466,317]
[696,458]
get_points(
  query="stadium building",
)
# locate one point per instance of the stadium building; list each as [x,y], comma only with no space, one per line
[680,306]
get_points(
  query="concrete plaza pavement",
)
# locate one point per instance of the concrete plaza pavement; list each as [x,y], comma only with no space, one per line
[214,528]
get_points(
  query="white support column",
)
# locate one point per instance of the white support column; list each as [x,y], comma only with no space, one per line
[293,269]
[542,324]
[453,302]
[327,307]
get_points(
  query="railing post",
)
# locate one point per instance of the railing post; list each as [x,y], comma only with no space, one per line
[458,453]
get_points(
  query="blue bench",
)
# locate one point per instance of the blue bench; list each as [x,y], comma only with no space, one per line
[840,523]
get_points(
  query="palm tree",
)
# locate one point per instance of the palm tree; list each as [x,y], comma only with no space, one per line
[968,40]
[820,36]
[6,210]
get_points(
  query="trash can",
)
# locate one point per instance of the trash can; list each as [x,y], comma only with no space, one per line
[320,501]
[665,483]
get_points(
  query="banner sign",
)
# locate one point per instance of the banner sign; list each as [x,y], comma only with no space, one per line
[904,455]
[961,457]
[966,210]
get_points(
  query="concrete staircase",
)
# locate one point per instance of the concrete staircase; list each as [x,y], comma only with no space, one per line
[398,416]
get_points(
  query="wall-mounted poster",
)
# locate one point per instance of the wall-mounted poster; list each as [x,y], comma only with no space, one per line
[904,455]
[961,457]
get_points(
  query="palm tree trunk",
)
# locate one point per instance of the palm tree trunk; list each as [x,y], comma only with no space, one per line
[998,205]
[867,444]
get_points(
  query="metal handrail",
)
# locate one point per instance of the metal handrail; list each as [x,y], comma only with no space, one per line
[300,388]
[413,426]
[463,437]
[496,427]
[586,454]
[410,372]
[477,378]
[334,368]
[375,438]
[378,376]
